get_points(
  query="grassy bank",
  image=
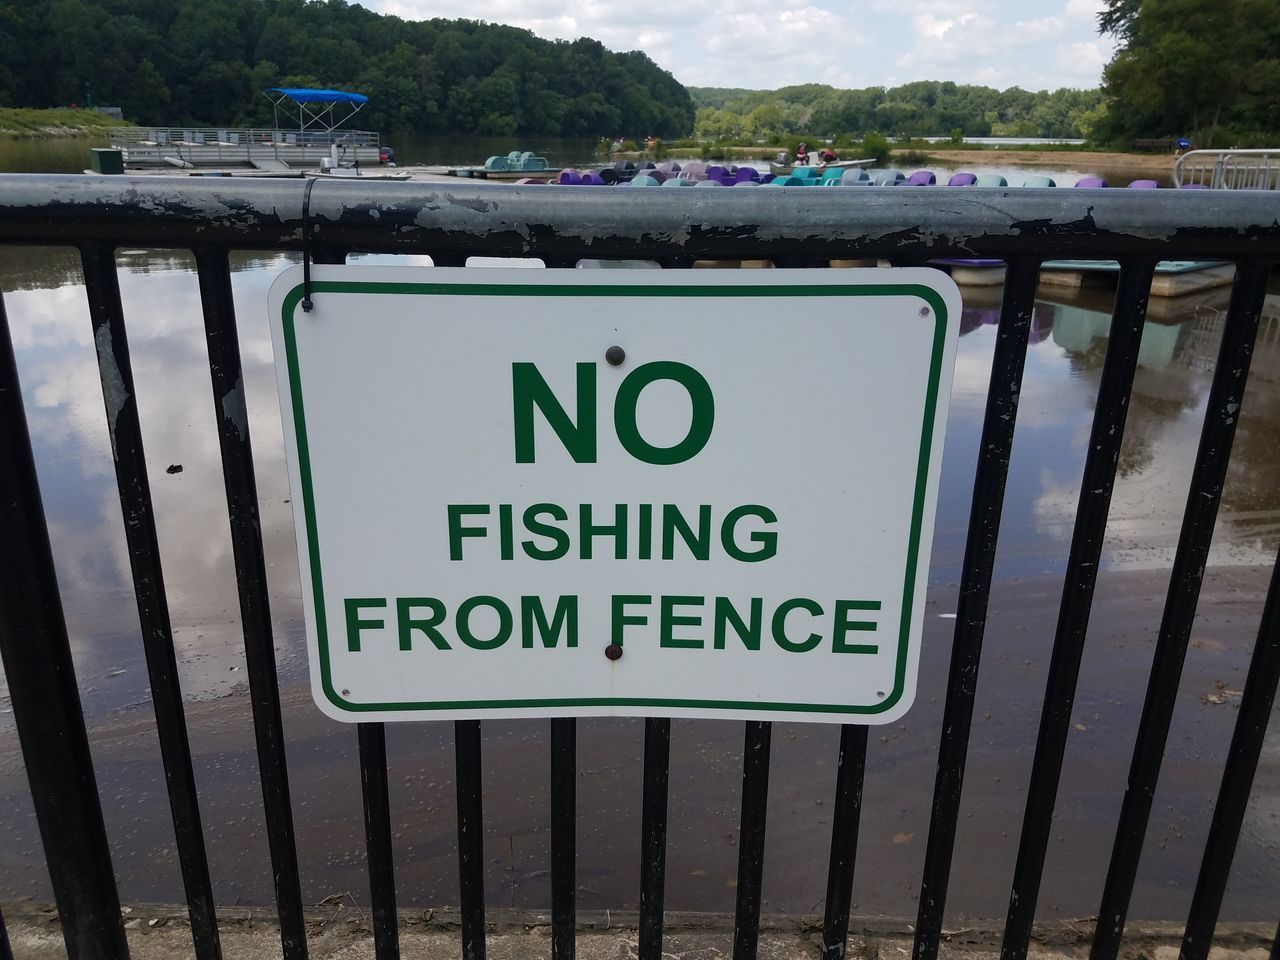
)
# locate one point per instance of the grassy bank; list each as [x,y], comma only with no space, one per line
[31,124]
[1137,164]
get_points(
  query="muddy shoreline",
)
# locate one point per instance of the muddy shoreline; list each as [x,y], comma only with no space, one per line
[1155,164]
[343,930]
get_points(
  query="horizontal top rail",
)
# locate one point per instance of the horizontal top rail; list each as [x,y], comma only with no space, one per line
[541,221]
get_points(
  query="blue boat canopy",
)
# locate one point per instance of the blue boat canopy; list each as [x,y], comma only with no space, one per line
[308,95]
[319,110]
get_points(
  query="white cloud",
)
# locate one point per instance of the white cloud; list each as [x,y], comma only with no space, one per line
[936,28]
[1041,29]
[1035,44]
[1083,10]
[796,45]
[1085,60]
[969,41]
[1041,49]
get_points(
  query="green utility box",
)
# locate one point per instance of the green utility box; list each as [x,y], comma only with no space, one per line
[106,160]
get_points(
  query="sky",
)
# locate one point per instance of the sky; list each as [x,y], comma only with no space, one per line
[765,44]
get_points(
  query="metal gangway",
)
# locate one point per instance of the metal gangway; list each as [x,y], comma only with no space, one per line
[1228,169]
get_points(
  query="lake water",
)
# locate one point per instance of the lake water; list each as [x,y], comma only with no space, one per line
[71,155]
[50,326]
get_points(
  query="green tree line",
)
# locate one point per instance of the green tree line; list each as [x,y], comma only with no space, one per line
[922,108]
[206,62]
[1205,69]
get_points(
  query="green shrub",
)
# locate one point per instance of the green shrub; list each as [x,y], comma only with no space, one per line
[876,146]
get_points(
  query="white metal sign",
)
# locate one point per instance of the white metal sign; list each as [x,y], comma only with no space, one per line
[642,493]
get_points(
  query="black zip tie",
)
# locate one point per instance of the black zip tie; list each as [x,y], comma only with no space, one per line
[306,246]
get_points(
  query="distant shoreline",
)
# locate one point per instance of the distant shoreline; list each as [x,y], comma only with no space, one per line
[1152,163]
[25,123]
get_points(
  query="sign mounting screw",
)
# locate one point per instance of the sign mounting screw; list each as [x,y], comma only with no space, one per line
[613,651]
[615,355]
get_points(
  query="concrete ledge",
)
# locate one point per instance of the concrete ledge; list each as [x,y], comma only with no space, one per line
[342,931]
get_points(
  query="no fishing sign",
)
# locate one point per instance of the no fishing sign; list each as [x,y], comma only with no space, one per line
[607,493]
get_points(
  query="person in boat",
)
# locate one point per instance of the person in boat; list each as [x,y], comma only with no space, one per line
[802,155]
[825,156]
[650,144]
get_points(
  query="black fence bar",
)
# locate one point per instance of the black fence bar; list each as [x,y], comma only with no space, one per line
[564,813]
[846,817]
[42,690]
[1127,320]
[377,832]
[1237,779]
[755,803]
[376,794]
[6,951]
[1275,945]
[251,580]
[1222,412]
[466,748]
[975,591]
[115,369]
[653,835]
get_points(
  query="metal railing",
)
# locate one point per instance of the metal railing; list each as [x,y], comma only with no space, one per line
[1228,169]
[211,146]
[333,218]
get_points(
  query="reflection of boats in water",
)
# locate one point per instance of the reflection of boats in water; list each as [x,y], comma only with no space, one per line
[1180,332]
[977,315]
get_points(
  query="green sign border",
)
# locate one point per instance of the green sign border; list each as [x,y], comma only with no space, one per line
[928,295]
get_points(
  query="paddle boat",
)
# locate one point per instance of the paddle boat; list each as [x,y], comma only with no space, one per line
[516,165]
[783,168]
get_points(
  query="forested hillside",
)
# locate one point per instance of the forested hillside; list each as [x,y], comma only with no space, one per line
[1205,69]
[923,108]
[208,61]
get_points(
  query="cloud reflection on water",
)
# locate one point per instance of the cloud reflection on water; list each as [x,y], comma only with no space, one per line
[52,336]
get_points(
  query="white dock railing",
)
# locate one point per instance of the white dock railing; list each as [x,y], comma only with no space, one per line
[1229,169]
[213,146]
